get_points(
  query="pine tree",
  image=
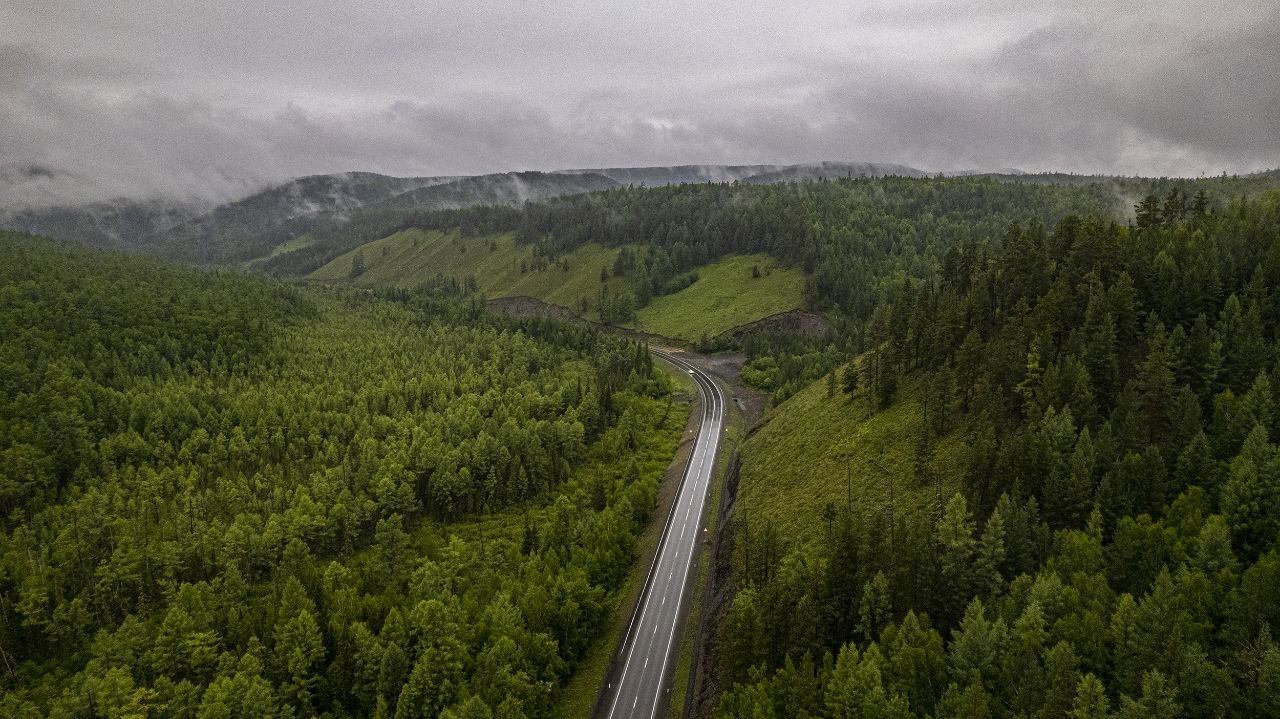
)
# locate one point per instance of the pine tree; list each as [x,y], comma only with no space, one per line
[875,607]
[976,646]
[856,688]
[1251,496]
[968,367]
[916,661]
[1154,385]
[1068,493]
[991,556]
[300,647]
[973,702]
[956,545]
[744,635]
[1159,699]
[1091,700]
[850,378]
[1061,677]
[1022,679]
[1147,213]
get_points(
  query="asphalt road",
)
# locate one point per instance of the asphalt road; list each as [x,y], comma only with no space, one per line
[638,690]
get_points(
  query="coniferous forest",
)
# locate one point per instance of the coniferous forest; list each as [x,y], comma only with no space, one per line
[1114,549]
[226,497]
[236,495]
[886,359]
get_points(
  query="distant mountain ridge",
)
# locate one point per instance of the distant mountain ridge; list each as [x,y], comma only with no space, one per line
[316,208]
[761,174]
[177,228]
[118,224]
[254,225]
[329,235]
[503,188]
[657,175]
[321,207]
[296,226]
[833,171]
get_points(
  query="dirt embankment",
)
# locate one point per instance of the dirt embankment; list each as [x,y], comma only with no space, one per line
[522,306]
[707,681]
[791,322]
[707,678]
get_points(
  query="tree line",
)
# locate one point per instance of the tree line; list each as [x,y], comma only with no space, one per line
[1112,549]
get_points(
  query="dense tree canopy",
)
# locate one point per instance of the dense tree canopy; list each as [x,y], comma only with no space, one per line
[1115,549]
[228,497]
[225,497]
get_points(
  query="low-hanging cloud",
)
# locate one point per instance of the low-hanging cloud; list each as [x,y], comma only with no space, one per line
[190,101]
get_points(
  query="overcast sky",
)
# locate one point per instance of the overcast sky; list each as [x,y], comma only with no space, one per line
[214,98]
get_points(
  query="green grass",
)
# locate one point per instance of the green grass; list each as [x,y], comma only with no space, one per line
[296,243]
[411,257]
[725,296]
[796,463]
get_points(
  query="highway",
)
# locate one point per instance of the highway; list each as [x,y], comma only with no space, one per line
[638,690]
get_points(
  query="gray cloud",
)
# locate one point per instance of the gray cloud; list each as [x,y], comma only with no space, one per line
[211,100]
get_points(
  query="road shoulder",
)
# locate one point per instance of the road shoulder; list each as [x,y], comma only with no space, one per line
[583,693]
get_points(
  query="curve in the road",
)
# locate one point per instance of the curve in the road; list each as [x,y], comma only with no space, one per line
[637,691]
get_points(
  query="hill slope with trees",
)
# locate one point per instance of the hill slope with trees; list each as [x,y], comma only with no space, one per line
[1087,521]
[229,497]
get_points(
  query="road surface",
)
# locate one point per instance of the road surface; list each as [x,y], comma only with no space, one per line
[638,691]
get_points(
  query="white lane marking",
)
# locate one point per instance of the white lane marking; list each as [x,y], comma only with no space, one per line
[707,442]
[680,597]
[657,559]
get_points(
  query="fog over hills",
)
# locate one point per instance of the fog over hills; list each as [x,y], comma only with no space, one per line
[324,206]
[300,224]
[118,224]
[676,174]
[833,171]
[320,206]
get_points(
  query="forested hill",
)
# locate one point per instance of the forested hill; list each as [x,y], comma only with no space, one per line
[225,497]
[1075,507]
[195,230]
[847,235]
[332,234]
[308,221]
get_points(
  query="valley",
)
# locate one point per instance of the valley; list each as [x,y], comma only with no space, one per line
[987,440]
[717,360]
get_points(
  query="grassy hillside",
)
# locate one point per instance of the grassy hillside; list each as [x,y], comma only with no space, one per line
[334,233]
[811,446]
[408,258]
[725,296]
